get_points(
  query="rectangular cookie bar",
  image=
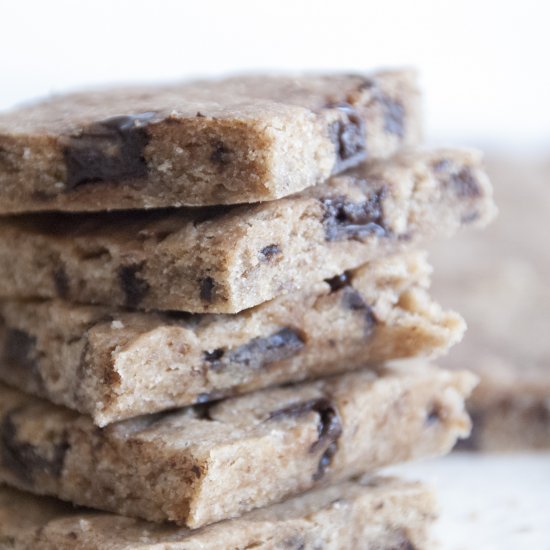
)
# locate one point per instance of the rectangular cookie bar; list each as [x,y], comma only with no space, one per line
[361,513]
[505,297]
[226,259]
[237,140]
[210,462]
[117,364]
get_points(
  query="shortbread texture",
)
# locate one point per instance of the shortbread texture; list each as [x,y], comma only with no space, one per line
[235,140]
[210,462]
[227,259]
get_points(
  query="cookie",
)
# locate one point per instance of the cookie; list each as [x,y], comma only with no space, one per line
[505,299]
[237,140]
[118,364]
[361,513]
[223,260]
[210,462]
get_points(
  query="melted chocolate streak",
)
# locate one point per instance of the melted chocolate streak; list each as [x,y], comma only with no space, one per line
[329,428]
[109,150]
[25,460]
[258,352]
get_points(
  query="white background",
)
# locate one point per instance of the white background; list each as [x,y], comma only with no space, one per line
[484,64]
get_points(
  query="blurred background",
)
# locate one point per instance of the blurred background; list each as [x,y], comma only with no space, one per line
[486,77]
[483,63]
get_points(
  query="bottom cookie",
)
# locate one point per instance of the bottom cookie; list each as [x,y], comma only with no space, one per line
[362,513]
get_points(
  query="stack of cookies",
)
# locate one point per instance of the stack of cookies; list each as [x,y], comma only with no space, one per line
[201,287]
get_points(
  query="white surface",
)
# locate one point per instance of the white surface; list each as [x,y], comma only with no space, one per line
[484,63]
[489,502]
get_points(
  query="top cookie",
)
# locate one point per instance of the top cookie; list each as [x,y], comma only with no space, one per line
[237,140]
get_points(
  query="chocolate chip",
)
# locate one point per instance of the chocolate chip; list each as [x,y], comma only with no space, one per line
[329,428]
[20,350]
[221,155]
[206,286]
[338,282]
[344,219]
[259,352]
[135,288]
[19,357]
[199,115]
[433,414]
[109,150]
[325,461]
[25,460]
[442,165]
[353,300]
[296,542]
[348,135]
[366,84]
[470,217]
[214,356]
[268,252]
[401,542]
[202,410]
[394,116]
[61,282]
[465,183]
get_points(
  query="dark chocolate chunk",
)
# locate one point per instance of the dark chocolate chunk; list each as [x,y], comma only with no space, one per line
[325,461]
[338,282]
[267,253]
[352,299]
[433,414]
[348,135]
[19,359]
[61,282]
[135,288]
[259,352]
[214,356]
[402,542]
[19,350]
[465,183]
[206,286]
[202,410]
[25,460]
[353,220]
[221,155]
[296,542]
[366,84]
[9,161]
[329,428]
[394,117]
[199,115]
[110,150]
[469,218]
